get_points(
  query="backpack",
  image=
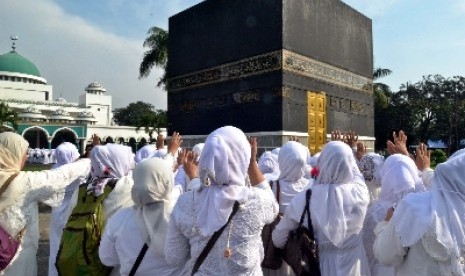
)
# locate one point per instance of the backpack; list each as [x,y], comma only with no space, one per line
[78,251]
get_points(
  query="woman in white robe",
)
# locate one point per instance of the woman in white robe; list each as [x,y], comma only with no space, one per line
[292,161]
[18,204]
[337,206]
[145,222]
[65,153]
[425,235]
[225,167]
[370,166]
[268,165]
[399,176]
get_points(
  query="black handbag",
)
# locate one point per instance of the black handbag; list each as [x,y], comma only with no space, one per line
[301,251]
[273,255]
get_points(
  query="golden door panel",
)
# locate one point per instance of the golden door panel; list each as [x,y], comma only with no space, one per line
[316,114]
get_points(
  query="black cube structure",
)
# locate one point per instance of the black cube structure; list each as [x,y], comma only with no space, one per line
[273,68]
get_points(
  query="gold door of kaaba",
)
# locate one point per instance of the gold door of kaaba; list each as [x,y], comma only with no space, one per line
[316,111]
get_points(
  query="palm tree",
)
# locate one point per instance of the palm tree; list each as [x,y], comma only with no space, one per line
[7,115]
[157,55]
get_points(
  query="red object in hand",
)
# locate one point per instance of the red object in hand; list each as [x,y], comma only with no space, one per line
[314,172]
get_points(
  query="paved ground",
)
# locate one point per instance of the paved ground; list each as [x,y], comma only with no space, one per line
[43,252]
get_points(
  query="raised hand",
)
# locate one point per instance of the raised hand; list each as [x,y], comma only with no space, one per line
[399,145]
[294,138]
[175,143]
[181,157]
[253,149]
[255,175]
[95,139]
[191,165]
[422,157]
[350,138]
[336,135]
[160,141]
[361,150]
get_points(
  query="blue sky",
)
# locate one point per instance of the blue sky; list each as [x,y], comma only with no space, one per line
[76,42]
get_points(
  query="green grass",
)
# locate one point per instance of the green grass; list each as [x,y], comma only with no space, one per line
[36,167]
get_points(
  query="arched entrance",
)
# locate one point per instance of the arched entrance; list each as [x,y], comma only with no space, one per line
[64,135]
[36,137]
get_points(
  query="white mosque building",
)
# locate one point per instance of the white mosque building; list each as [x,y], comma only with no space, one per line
[45,121]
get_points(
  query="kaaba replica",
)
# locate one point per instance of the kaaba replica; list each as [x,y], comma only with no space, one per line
[274,68]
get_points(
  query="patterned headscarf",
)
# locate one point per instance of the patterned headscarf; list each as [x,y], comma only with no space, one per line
[111,161]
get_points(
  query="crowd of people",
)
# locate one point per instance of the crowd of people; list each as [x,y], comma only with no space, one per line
[171,211]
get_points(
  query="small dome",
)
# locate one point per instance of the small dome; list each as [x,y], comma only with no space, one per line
[32,109]
[60,112]
[61,100]
[86,114]
[95,86]
[15,63]
[32,112]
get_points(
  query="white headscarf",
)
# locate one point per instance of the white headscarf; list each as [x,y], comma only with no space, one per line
[13,148]
[400,176]
[442,209]
[339,194]
[198,148]
[65,153]
[111,161]
[223,169]
[151,193]
[160,153]
[292,161]
[145,152]
[268,163]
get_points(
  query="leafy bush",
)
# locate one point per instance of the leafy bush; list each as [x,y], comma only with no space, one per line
[438,156]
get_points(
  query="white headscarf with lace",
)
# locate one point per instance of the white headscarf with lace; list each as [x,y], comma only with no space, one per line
[223,173]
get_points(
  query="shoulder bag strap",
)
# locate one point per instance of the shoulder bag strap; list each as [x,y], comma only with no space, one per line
[278,190]
[203,255]
[307,210]
[138,260]
[7,183]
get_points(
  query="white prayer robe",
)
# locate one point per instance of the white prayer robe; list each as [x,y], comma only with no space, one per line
[183,246]
[44,186]
[121,244]
[388,249]
[350,257]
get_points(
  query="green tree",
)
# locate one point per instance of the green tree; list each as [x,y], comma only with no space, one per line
[7,116]
[131,115]
[142,116]
[153,122]
[157,55]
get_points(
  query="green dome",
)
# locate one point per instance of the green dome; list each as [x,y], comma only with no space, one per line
[14,62]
